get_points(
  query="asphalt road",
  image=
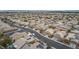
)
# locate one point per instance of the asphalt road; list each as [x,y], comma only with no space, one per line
[49,42]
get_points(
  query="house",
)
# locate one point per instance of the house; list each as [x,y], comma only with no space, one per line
[50,31]
[61,34]
[18,35]
[19,43]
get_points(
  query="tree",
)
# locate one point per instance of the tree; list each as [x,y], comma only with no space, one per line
[6,41]
[1,34]
[48,47]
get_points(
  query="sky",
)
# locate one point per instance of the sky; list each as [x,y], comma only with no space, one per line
[39,5]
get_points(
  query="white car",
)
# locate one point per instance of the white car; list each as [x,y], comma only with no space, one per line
[33,34]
